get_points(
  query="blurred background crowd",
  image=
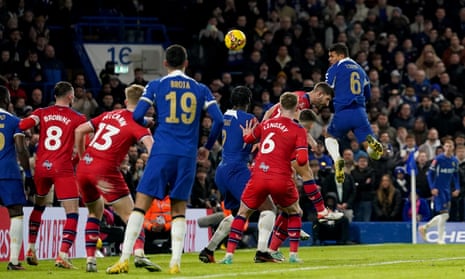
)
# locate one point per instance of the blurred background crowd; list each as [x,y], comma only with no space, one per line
[412,50]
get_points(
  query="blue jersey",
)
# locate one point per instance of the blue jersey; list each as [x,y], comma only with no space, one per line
[442,172]
[178,101]
[350,83]
[9,168]
[234,148]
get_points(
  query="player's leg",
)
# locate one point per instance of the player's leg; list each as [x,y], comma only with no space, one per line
[123,207]
[290,201]
[266,222]
[231,185]
[435,221]
[185,169]
[43,186]
[67,193]
[152,184]
[237,230]
[364,135]
[253,196]
[338,127]
[13,198]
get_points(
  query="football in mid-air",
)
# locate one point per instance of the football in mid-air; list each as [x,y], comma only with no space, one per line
[235,39]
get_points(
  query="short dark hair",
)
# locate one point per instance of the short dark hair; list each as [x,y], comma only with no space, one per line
[175,56]
[62,88]
[340,48]
[307,115]
[324,88]
[241,96]
[288,101]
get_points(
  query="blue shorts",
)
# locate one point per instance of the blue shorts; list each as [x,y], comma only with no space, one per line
[12,192]
[442,201]
[168,174]
[231,180]
[350,119]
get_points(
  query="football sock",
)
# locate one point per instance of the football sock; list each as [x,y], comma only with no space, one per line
[178,233]
[294,226]
[34,225]
[136,219]
[139,245]
[279,231]
[16,238]
[312,192]
[433,222]
[237,229]
[221,232]
[92,234]
[442,225]
[265,227]
[69,232]
[333,148]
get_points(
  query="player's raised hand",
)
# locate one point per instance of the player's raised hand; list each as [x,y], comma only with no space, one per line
[249,126]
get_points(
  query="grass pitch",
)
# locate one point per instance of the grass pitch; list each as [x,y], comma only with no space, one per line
[356,261]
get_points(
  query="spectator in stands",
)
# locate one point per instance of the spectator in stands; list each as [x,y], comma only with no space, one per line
[157,226]
[432,142]
[403,117]
[457,210]
[410,146]
[32,70]
[401,182]
[7,65]
[365,184]
[84,102]
[15,88]
[446,115]
[16,46]
[422,210]
[139,77]
[53,68]
[387,205]
[107,72]
[420,130]
[344,194]
[117,89]
[36,101]
[337,230]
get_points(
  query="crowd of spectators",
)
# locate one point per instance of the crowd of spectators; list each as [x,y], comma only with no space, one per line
[413,51]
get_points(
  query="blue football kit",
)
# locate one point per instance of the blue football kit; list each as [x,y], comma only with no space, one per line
[11,183]
[442,172]
[233,172]
[351,90]
[178,101]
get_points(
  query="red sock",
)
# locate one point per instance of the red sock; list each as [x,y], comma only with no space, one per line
[237,229]
[34,222]
[92,235]
[294,226]
[140,240]
[69,232]
[312,192]
[279,231]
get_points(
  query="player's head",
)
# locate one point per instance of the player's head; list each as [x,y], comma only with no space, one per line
[4,97]
[288,102]
[337,52]
[176,57]
[321,94]
[306,118]
[448,147]
[133,93]
[241,96]
[64,91]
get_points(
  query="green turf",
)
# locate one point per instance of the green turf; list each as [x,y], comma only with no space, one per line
[356,261]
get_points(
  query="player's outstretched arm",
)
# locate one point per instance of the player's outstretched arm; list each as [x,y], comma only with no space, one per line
[218,121]
[148,142]
[248,131]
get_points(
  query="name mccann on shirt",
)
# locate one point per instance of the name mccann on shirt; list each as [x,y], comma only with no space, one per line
[57,117]
[275,125]
[121,120]
[180,84]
